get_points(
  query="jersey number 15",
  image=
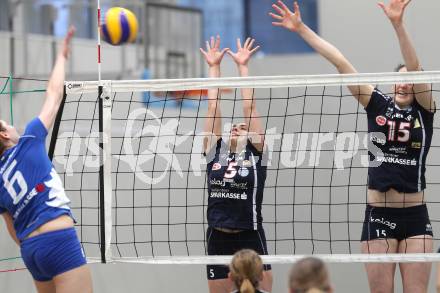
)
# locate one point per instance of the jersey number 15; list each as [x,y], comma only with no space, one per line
[402,131]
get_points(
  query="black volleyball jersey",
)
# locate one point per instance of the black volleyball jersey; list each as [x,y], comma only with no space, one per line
[235,187]
[403,137]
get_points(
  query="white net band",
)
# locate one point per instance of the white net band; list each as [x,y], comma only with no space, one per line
[288,259]
[255,82]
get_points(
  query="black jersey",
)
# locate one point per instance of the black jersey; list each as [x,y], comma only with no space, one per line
[235,187]
[403,137]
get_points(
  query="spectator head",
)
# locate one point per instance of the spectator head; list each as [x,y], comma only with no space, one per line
[309,275]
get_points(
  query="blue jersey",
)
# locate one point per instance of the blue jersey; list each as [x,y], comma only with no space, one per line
[405,138]
[235,187]
[30,188]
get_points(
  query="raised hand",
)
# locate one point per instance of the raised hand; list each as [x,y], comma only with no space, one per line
[285,17]
[394,10]
[65,48]
[244,53]
[213,55]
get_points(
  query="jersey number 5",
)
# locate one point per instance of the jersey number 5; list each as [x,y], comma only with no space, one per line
[231,171]
[18,179]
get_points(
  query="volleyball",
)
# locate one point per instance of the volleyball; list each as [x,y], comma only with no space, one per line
[120,26]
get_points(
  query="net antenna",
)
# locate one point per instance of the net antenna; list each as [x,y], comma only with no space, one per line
[105,183]
[99,39]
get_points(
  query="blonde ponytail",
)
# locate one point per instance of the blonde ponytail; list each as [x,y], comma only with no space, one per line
[246,270]
[247,287]
[315,290]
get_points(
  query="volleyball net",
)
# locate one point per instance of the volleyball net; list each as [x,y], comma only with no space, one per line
[132,164]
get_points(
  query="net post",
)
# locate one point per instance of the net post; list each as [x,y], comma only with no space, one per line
[56,126]
[105,176]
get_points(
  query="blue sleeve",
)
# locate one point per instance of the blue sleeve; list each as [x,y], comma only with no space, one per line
[378,102]
[3,210]
[36,128]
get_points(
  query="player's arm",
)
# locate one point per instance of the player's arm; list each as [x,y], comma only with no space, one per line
[213,121]
[292,21]
[55,87]
[10,226]
[395,11]
[251,115]
[438,278]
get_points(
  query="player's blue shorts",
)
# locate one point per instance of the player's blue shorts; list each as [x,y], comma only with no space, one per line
[50,254]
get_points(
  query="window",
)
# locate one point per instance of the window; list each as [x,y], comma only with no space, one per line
[224,18]
[276,40]
[4,15]
[242,18]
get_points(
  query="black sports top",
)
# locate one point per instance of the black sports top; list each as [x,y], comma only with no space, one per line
[235,187]
[399,143]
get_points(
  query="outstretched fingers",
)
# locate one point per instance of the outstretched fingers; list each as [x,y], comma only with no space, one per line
[217,42]
[250,44]
[208,47]
[277,23]
[67,40]
[212,43]
[204,53]
[275,16]
[238,44]
[246,43]
[70,34]
[278,9]
[254,50]
[230,53]
[213,54]
[225,50]
[296,8]
[284,7]
[383,7]
[395,9]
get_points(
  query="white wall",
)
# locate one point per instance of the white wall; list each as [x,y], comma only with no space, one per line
[33,58]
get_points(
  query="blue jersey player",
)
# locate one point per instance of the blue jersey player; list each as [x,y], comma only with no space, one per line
[236,174]
[32,198]
[396,218]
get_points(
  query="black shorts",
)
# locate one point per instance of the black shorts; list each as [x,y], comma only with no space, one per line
[395,223]
[221,243]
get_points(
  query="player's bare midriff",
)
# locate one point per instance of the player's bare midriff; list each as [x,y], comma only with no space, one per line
[62,222]
[394,199]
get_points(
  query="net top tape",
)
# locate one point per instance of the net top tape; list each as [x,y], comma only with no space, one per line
[288,259]
[77,87]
